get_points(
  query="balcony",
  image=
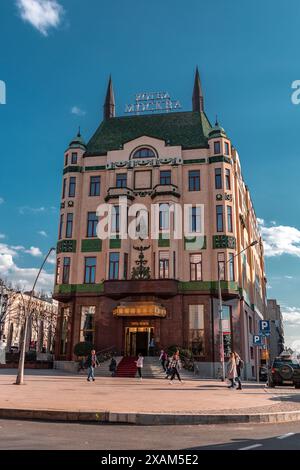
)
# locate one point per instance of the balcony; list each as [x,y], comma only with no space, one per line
[165,190]
[115,193]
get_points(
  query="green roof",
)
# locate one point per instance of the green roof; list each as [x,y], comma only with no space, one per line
[187,129]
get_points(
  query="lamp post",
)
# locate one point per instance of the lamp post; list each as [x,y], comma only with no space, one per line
[27,313]
[222,358]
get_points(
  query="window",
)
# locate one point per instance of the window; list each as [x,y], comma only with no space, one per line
[220,221]
[194,180]
[231,267]
[218,178]
[144,153]
[174,264]
[195,220]
[115,219]
[74,158]
[64,188]
[226,329]
[164,265]
[221,266]
[72,186]
[90,270]
[196,267]
[196,330]
[114,261]
[125,267]
[87,324]
[229,219]
[165,177]
[66,270]
[142,224]
[69,226]
[57,277]
[65,316]
[227,179]
[95,186]
[92,225]
[61,224]
[121,180]
[66,160]
[217,147]
[227,148]
[164,217]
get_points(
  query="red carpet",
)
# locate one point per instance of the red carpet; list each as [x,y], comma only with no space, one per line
[127,367]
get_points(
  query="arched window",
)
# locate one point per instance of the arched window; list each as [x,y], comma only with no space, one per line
[144,153]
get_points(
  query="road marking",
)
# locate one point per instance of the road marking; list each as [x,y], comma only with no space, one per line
[289,434]
[251,447]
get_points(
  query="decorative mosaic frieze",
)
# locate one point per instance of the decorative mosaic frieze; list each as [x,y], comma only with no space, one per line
[66,246]
[224,241]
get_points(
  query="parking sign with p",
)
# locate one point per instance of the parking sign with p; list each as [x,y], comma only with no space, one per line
[264,326]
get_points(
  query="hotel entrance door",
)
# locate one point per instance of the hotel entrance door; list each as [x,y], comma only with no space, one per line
[137,341]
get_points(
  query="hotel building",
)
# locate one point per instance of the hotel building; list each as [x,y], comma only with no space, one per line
[122,293]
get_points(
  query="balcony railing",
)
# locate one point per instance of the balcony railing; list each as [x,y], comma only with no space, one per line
[165,189]
[115,193]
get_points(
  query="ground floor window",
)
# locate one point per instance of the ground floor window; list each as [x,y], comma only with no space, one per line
[196,329]
[65,314]
[87,326]
[226,329]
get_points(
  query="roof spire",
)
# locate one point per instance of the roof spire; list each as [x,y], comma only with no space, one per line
[79,132]
[109,105]
[198,100]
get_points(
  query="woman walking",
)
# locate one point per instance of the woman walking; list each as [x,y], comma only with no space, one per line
[239,367]
[231,370]
[175,367]
[140,365]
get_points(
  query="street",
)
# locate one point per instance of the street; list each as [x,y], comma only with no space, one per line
[25,435]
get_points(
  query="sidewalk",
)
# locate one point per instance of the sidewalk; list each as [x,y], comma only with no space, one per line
[61,396]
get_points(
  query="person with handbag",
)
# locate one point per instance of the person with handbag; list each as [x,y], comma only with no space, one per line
[231,370]
[239,368]
[175,367]
[91,363]
[113,366]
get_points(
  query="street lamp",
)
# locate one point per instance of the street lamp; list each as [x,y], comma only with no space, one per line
[222,359]
[20,376]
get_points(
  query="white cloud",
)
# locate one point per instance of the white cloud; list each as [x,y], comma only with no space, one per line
[52,258]
[43,233]
[280,240]
[41,14]
[23,277]
[31,210]
[34,251]
[1,200]
[77,111]
[291,316]
[2,236]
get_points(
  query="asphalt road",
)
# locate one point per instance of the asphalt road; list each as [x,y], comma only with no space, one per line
[26,435]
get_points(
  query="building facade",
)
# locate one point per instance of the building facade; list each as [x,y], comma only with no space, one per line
[176,172]
[276,343]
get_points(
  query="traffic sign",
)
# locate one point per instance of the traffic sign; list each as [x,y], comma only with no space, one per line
[257,340]
[265,327]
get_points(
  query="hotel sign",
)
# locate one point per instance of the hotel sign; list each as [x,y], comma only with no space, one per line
[158,101]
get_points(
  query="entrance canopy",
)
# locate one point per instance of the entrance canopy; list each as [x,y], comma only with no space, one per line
[140,309]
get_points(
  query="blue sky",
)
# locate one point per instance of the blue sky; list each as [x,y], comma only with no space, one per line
[56,56]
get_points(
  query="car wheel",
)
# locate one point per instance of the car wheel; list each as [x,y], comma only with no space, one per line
[271,385]
[297,385]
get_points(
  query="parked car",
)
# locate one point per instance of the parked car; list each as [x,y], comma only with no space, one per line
[285,371]
[263,374]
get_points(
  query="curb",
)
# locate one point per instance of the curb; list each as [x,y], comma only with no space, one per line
[147,419]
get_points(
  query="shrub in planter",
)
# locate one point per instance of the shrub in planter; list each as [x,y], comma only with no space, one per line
[83,349]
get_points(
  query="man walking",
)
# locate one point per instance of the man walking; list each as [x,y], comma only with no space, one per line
[239,367]
[163,359]
[92,362]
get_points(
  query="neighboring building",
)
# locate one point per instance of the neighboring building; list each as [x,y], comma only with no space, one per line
[42,325]
[277,334]
[172,295]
